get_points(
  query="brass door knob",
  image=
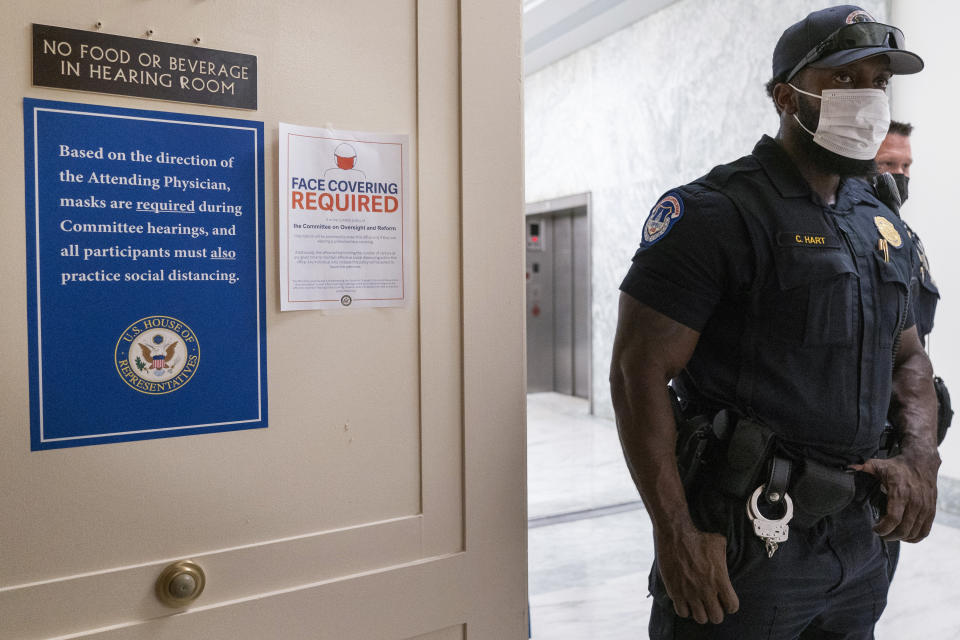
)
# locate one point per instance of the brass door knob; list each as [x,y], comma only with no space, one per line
[180,584]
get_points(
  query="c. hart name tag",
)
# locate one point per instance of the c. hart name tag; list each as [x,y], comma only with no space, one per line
[812,240]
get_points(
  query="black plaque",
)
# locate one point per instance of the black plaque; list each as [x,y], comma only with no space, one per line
[92,61]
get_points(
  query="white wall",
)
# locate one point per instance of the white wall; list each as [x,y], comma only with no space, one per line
[653,106]
[928,101]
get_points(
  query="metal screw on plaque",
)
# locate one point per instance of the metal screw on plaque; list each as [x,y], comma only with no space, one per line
[149,33]
[196,40]
[99,25]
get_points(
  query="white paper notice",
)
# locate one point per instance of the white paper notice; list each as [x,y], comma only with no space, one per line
[345,233]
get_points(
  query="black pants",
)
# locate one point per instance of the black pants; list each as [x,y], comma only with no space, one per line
[828,582]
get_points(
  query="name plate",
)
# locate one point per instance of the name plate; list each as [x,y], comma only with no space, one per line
[104,63]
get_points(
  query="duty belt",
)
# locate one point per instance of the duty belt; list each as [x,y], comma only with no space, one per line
[746,459]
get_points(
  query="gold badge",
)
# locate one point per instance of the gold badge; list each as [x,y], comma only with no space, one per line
[888,231]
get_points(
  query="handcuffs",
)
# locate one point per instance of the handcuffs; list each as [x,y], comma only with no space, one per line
[772,532]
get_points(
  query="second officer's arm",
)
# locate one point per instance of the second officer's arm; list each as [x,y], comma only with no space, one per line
[649,350]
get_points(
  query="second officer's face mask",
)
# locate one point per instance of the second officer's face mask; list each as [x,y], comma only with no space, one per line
[902,182]
[853,122]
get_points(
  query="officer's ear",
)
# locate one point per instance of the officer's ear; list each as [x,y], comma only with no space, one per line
[785,98]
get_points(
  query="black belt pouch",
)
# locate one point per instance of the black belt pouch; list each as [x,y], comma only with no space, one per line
[747,456]
[819,491]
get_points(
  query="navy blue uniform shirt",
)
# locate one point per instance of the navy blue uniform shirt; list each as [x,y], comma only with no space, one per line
[924,294]
[798,304]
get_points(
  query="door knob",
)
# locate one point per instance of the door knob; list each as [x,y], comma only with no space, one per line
[180,584]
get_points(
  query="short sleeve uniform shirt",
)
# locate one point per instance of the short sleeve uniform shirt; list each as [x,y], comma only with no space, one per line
[798,304]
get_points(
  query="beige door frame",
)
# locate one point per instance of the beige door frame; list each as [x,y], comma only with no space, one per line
[454,565]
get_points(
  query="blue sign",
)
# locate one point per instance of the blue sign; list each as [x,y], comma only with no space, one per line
[145,274]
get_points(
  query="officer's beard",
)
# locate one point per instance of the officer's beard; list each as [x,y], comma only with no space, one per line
[824,159]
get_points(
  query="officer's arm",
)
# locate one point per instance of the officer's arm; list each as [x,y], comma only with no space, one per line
[910,479]
[649,350]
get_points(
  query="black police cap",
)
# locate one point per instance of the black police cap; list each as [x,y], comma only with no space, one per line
[814,42]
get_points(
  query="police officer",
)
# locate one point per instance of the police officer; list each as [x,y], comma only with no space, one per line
[772,294]
[895,157]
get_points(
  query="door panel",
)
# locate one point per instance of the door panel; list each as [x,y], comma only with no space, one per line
[118,595]
[320,611]
[563,304]
[326,438]
[451,633]
[541,358]
[386,499]
[581,305]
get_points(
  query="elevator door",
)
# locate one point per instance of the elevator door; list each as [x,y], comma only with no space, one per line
[558,302]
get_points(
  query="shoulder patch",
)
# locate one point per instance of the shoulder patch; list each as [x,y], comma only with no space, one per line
[662,217]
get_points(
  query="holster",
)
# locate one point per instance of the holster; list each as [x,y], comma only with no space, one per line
[889,440]
[700,443]
[747,459]
[944,408]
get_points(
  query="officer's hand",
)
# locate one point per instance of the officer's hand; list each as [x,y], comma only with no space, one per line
[910,482]
[693,565]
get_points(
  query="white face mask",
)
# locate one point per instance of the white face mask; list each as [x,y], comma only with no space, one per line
[853,122]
